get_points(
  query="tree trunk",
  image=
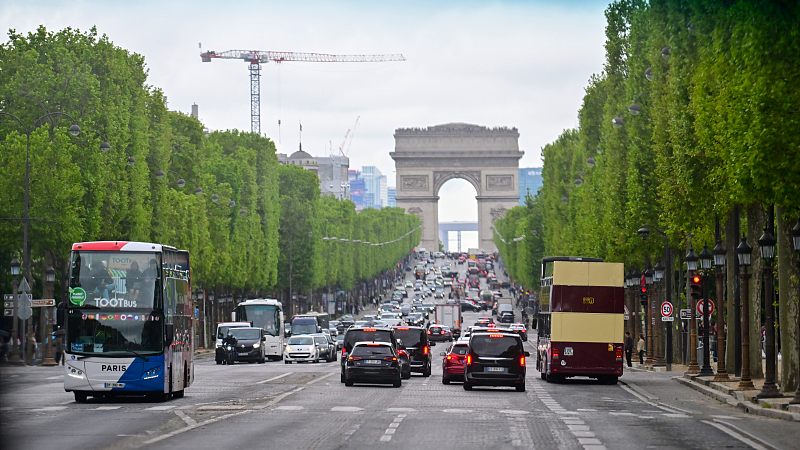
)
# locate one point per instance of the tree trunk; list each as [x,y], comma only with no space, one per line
[788,305]
[755,228]
[731,286]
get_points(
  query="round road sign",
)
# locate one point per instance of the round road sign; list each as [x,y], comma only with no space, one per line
[666,309]
[700,307]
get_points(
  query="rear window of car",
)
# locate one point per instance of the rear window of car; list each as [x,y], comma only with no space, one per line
[411,337]
[460,349]
[436,329]
[301,340]
[370,350]
[354,336]
[321,340]
[491,345]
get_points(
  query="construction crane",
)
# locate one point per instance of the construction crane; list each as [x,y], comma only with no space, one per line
[257,57]
[349,134]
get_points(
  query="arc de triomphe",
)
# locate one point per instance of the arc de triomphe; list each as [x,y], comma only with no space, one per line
[425,158]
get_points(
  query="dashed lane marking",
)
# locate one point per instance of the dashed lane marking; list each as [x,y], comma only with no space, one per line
[401,410]
[160,408]
[346,409]
[107,408]
[49,408]
[289,408]
[189,421]
[275,378]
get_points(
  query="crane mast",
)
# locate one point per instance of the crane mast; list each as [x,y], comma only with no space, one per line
[257,57]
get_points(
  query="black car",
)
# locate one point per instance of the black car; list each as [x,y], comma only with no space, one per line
[249,344]
[326,347]
[415,344]
[469,305]
[506,317]
[372,362]
[495,358]
[365,334]
[439,333]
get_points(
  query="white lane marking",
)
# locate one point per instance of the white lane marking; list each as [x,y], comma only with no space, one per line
[390,431]
[589,441]
[735,435]
[346,409]
[275,378]
[402,415]
[160,408]
[583,434]
[386,438]
[622,414]
[320,378]
[513,411]
[225,416]
[578,427]
[107,408]
[55,377]
[401,410]
[676,416]
[189,421]
[394,425]
[289,408]
[49,408]
[726,417]
[457,411]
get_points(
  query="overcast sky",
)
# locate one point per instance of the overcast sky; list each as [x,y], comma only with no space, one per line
[520,64]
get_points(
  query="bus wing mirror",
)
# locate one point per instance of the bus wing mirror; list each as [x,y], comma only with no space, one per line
[264,338]
[169,333]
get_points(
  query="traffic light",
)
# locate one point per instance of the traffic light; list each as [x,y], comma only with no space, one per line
[643,289]
[696,283]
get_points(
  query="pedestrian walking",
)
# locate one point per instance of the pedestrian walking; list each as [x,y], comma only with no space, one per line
[640,348]
[628,348]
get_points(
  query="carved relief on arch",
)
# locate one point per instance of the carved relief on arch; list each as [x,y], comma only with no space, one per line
[497,213]
[417,211]
[473,176]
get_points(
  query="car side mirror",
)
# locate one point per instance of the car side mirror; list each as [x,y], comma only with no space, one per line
[264,338]
[319,329]
[527,353]
[433,344]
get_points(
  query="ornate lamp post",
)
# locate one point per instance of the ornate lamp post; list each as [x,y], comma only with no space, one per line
[743,251]
[719,266]
[767,245]
[14,358]
[651,318]
[706,258]
[796,242]
[691,267]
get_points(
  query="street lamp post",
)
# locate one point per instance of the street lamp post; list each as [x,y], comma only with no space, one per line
[796,243]
[691,267]
[50,278]
[647,302]
[706,259]
[74,129]
[743,251]
[719,266]
[767,245]
[14,358]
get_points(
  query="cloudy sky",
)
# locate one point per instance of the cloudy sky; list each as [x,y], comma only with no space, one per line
[519,64]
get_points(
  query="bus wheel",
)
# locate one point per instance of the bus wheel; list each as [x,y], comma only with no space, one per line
[178,394]
[80,397]
[610,379]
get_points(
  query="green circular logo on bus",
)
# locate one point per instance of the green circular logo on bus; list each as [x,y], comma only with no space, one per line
[77,296]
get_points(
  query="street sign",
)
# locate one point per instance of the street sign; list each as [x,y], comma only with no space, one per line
[24,286]
[686,314]
[8,297]
[666,309]
[43,302]
[8,304]
[24,312]
[667,318]
[700,305]
[627,314]
[8,312]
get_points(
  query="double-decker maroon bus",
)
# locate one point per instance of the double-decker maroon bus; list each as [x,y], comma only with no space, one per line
[581,319]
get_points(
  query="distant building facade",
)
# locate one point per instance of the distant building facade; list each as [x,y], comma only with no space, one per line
[529,179]
[391,193]
[332,171]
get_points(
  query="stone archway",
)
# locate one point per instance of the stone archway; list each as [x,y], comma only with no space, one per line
[426,158]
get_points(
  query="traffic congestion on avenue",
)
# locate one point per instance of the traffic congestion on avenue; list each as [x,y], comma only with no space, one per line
[323,393]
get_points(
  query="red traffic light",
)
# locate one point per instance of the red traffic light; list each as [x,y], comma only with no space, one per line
[696,279]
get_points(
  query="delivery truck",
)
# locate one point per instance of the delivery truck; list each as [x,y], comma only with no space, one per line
[449,316]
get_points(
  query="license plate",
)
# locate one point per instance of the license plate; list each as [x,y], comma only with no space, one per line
[372,361]
[243,354]
[495,369]
[114,385]
[567,351]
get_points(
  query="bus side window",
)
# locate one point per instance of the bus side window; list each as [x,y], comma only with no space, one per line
[169,295]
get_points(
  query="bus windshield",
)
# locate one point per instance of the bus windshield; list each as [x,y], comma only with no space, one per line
[267,317]
[304,325]
[116,332]
[115,280]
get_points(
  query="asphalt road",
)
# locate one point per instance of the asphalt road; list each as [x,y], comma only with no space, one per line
[304,406]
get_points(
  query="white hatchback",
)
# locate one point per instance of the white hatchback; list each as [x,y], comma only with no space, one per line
[300,349]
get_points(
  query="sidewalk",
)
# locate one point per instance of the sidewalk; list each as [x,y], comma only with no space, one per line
[778,408]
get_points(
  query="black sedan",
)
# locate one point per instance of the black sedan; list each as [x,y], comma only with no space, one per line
[372,362]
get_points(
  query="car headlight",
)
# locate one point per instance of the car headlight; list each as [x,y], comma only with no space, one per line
[256,345]
[288,349]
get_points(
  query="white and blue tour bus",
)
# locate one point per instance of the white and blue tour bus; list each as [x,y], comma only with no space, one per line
[129,321]
[264,313]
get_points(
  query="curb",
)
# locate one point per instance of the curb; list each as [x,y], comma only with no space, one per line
[738,401]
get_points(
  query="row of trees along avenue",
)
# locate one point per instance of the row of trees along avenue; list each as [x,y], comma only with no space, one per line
[695,116]
[247,221]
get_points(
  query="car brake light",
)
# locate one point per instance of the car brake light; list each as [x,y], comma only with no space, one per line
[425,350]
[469,359]
[522,361]
[555,353]
[401,328]
[390,358]
[344,351]
[429,331]
[370,329]
[495,335]
[355,358]
[441,332]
